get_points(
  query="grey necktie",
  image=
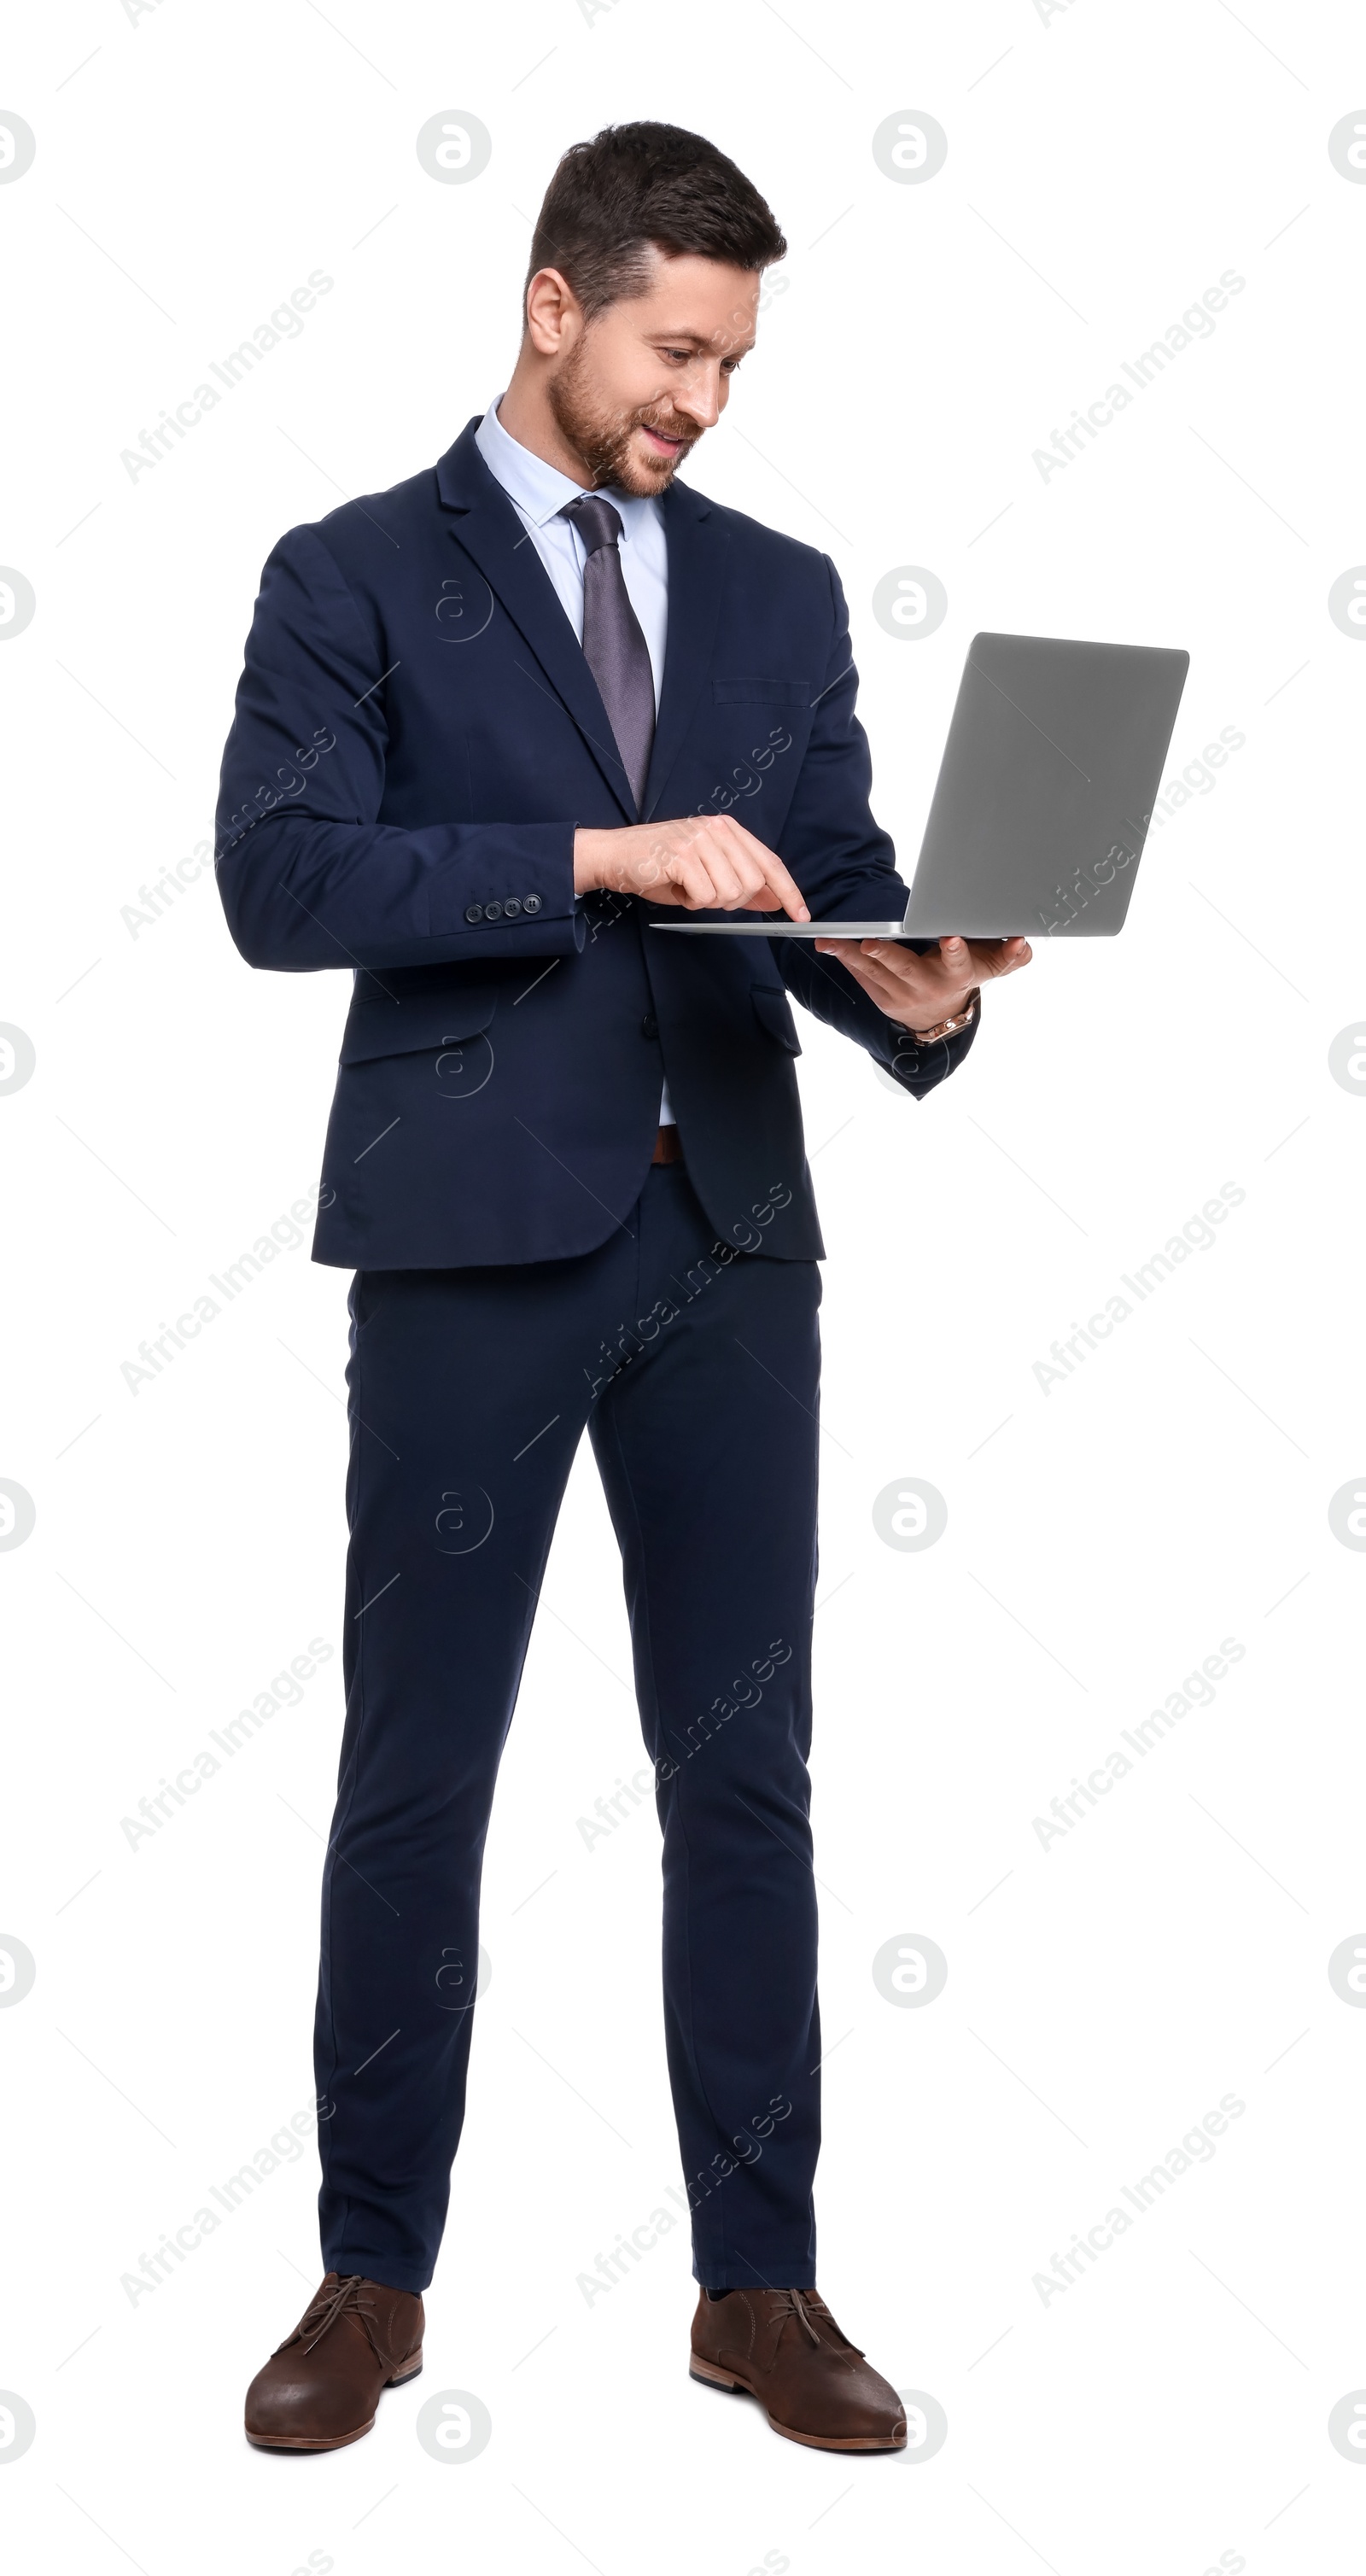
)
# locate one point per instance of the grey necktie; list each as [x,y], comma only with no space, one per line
[614,647]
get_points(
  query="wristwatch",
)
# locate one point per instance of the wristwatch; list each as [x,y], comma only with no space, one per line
[949,1028]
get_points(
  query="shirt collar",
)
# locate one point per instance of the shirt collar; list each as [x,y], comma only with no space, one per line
[541,490]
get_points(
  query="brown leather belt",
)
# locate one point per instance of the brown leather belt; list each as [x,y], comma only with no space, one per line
[668,1146]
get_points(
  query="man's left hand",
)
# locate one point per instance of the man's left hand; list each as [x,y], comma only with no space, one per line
[917,992]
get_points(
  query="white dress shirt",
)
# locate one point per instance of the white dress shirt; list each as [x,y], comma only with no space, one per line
[538,493]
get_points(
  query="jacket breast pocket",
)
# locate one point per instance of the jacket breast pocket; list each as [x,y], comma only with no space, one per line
[774,1012]
[763,693]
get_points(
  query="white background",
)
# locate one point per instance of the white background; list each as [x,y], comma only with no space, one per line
[1169,2410]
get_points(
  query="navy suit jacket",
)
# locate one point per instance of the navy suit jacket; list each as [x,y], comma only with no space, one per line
[417,737]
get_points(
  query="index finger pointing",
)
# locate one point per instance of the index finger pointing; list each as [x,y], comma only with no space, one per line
[771,869]
[789,893]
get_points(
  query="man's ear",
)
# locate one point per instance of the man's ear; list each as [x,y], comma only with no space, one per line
[554,315]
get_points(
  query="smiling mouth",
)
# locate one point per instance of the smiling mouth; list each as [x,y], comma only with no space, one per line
[661,444]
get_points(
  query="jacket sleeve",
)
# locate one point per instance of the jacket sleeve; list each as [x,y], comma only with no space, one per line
[308,877]
[846,868]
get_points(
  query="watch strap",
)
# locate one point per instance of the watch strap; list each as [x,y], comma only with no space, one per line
[957,1020]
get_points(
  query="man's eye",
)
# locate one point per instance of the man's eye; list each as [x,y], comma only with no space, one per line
[730,366]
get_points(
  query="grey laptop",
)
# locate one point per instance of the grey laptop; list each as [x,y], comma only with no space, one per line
[1050,773]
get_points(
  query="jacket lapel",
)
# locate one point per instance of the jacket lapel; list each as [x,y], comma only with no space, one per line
[698,549]
[487,526]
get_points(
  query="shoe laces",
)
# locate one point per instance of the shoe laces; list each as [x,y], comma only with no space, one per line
[342,2300]
[797,2305]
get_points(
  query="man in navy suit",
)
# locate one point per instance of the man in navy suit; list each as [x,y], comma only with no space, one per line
[491,722]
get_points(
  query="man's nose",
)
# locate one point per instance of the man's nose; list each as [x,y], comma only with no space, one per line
[700,398]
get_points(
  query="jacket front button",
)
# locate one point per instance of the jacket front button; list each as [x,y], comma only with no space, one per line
[493,912]
[474,912]
[649,1026]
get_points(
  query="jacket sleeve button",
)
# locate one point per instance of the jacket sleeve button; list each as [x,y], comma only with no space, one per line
[474,912]
[493,912]
[512,907]
[531,903]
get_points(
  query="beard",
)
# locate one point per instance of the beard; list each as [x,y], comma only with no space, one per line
[602,437]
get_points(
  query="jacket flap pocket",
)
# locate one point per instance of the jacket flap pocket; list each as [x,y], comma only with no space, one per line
[775,1012]
[404,1027]
[764,693]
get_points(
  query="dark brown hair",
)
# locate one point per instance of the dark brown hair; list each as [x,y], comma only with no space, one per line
[638,185]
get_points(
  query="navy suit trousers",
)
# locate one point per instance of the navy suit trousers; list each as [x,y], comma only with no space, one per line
[695,1368]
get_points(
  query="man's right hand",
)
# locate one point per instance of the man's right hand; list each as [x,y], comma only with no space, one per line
[706,862]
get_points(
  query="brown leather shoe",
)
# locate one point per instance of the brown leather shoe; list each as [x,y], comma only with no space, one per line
[321,2386]
[812,2382]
